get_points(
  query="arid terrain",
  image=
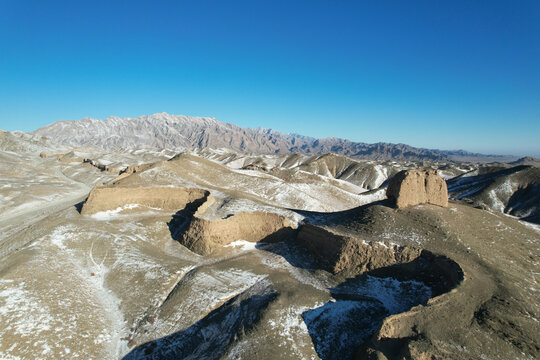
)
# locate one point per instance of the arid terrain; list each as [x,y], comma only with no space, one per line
[261,246]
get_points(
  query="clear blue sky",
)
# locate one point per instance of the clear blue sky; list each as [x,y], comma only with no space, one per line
[437,74]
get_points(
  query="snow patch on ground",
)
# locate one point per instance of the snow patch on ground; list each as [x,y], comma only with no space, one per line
[296,262]
[234,206]
[118,212]
[446,175]
[374,196]
[406,236]
[59,235]
[340,326]
[243,245]
[108,214]
[134,262]
[382,175]
[470,192]
[202,291]
[396,296]
[21,312]
[292,328]
[535,227]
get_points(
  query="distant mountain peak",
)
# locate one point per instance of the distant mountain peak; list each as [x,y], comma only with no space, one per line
[163,130]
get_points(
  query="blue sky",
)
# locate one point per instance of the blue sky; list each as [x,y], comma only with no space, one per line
[436,74]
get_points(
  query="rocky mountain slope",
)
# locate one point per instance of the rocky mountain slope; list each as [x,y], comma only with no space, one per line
[175,131]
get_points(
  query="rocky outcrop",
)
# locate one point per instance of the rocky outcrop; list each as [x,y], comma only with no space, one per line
[417,186]
[103,198]
[205,236]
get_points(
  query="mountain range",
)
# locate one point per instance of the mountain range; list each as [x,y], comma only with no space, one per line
[163,130]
